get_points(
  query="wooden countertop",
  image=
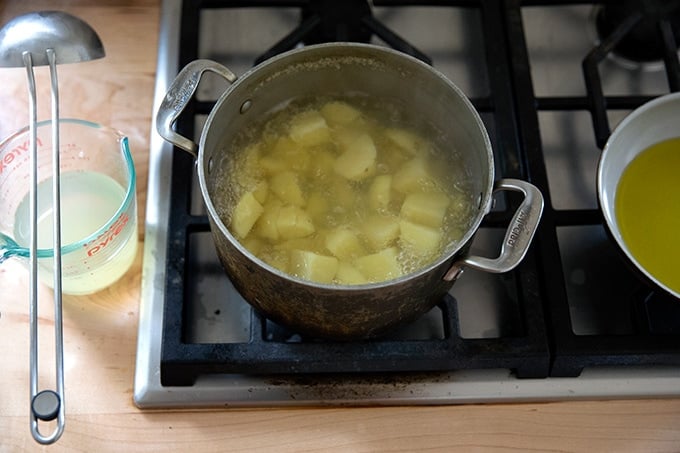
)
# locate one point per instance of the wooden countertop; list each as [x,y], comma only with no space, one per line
[100,331]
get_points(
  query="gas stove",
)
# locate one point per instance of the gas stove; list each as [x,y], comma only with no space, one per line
[550,80]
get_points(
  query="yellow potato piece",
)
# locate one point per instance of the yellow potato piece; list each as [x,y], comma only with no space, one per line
[246,212]
[379,193]
[254,244]
[347,274]
[339,112]
[279,259]
[344,136]
[291,154]
[426,209]
[380,231]
[267,226]
[261,190]
[292,222]
[406,140]
[380,266]
[321,164]
[343,244]
[418,239]
[309,128]
[272,165]
[413,176]
[358,161]
[287,187]
[313,243]
[317,206]
[312,266]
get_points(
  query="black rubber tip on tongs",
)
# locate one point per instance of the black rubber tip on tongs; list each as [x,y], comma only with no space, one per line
[45,405]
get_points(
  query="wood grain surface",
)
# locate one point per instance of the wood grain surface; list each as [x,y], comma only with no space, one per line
[100,330]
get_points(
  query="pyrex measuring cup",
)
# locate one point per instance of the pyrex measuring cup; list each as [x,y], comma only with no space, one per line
[98,203]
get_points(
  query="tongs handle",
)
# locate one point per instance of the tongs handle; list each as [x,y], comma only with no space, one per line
[47,404]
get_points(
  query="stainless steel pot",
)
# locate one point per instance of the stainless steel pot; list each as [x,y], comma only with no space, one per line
[332,311]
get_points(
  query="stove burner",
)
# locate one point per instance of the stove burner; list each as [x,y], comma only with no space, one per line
[338,21]
[350,20]
[643,25]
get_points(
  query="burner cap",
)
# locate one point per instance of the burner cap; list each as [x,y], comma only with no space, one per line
[643,43]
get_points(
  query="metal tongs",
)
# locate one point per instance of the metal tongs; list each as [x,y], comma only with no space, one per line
[46,39]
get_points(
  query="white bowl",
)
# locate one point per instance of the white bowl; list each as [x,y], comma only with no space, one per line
[651,123]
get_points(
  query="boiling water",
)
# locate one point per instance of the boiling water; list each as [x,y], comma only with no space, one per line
[345,186]
[89,201]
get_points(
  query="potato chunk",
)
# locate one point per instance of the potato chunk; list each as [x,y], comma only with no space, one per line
[426,209]
[246,212]
[357,162]
[309,128]
[287,187]
[253,243]
[292,222]
[312,243]
[272,165]
[317,206]
[420,240]
[343,244]
[344,136]
[379,193]
[380,231]
[267,225]
[321,165]
[290,154]
[413,176]
[339,112]
[312,266]
[277,258]
[347,274]
[406,140]
[380,266]
[261,190]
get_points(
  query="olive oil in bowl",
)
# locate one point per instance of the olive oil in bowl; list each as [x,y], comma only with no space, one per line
[647,207]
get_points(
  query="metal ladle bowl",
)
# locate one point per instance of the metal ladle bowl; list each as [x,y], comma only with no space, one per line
[46,38]
[72,39]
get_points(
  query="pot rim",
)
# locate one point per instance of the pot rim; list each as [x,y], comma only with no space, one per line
[484,202]
[607,200]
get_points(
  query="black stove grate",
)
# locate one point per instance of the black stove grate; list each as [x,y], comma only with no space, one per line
[546,345]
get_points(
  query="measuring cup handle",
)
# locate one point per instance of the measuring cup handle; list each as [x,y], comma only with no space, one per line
[517,237]
[178,96]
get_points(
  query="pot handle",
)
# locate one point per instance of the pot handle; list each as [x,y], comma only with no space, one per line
[518,236]
[178,96]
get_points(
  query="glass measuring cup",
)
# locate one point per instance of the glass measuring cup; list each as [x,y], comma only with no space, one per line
[98,203]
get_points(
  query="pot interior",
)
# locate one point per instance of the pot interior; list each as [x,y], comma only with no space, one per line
[430,103]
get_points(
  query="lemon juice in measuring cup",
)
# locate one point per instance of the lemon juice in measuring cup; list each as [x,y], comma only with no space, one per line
[98,207]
